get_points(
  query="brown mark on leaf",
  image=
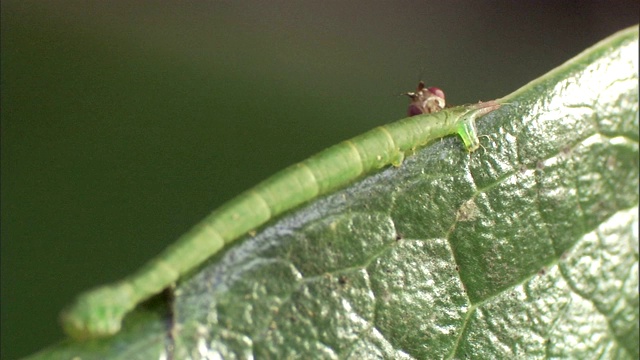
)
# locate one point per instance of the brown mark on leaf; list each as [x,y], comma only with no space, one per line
[468,211]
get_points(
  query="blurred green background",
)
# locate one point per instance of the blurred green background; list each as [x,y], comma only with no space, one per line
[124,123]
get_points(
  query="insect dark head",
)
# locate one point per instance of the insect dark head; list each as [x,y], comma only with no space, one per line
[425,100]
[414,110]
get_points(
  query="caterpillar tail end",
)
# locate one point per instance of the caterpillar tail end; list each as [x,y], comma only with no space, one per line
[467,128]
[98,313]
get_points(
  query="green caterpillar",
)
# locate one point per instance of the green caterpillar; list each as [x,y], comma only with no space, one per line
[100,312]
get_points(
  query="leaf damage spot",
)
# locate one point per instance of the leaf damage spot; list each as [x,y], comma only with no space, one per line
[468,211]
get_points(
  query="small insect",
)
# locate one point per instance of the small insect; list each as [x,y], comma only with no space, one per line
[99,313]
[425,100]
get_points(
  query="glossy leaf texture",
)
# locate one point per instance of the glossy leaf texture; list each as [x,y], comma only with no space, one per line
[526,249]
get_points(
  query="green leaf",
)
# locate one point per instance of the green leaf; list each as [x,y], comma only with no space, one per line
[526,249]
